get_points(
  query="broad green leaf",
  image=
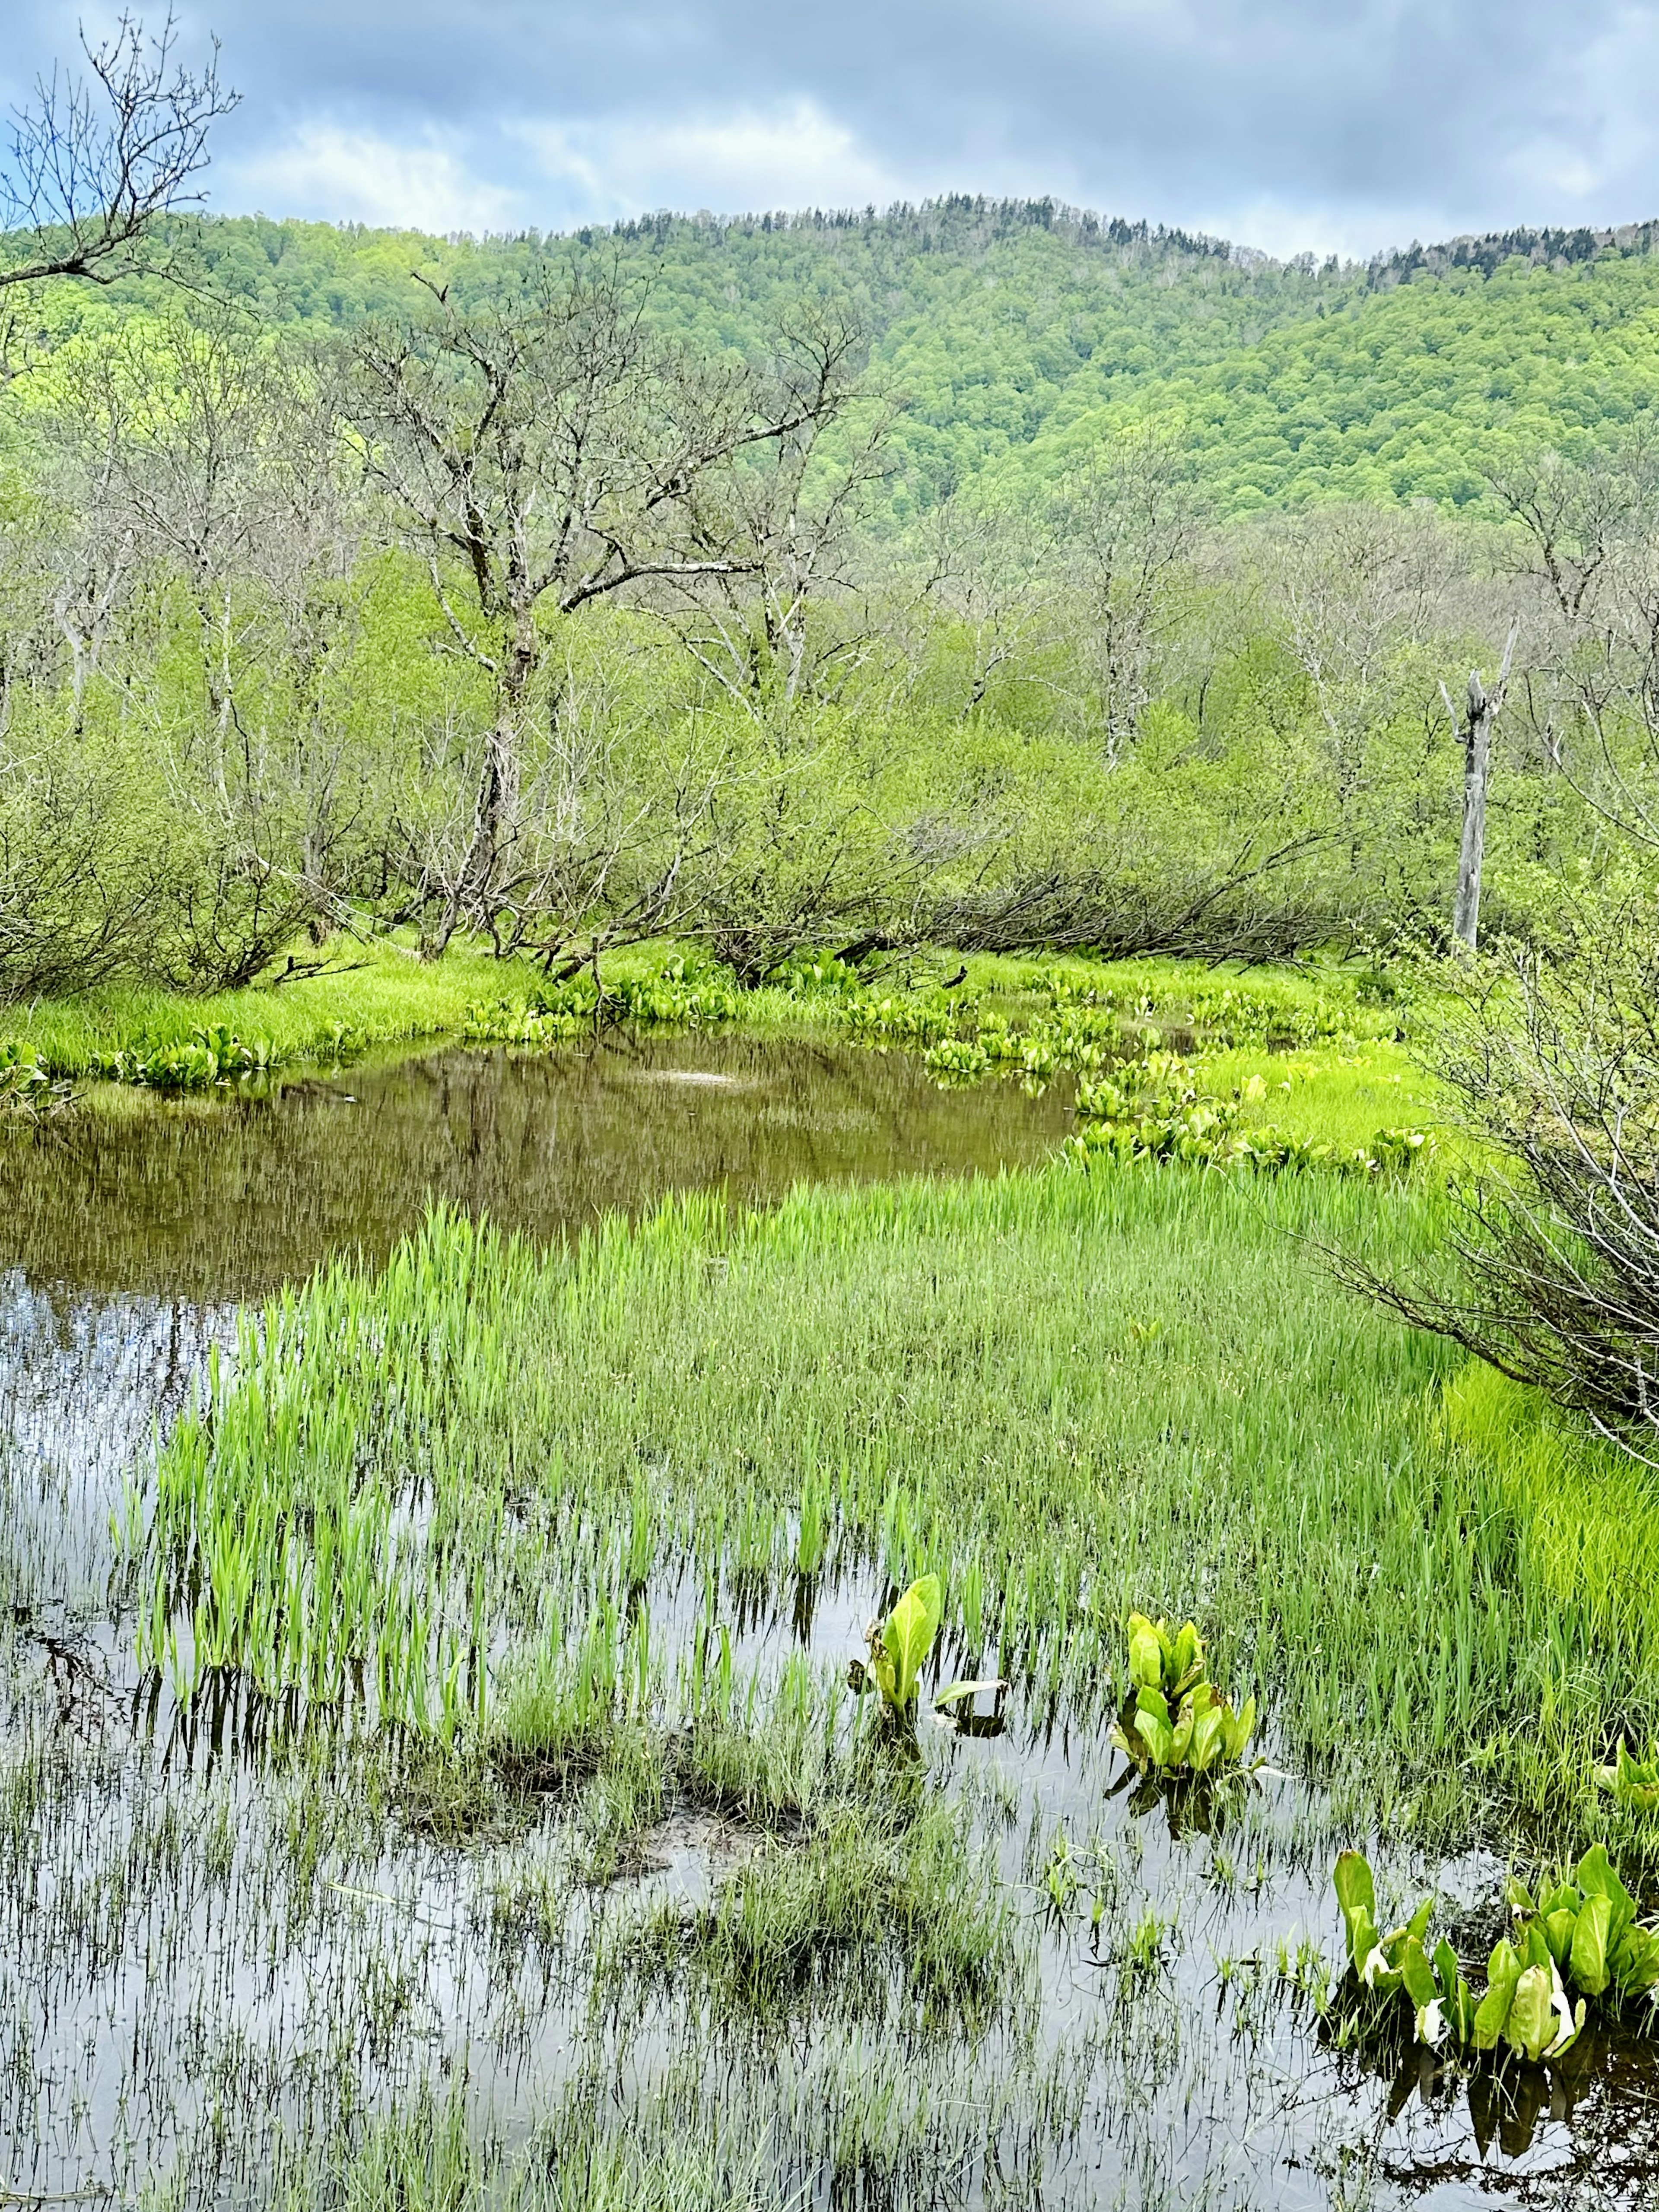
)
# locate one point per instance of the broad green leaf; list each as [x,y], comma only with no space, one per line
[1588,1963]
[954,1691]
[1209,1740]
[1634,1959]
[1186,1659]
[1597,1879]
[908,1635]
[1446,1973]
[1532,2024]
[1145,1652]
[1362,1941]
[1158,1737]
[1181,1741]
[1559,1932]
[1492,2014]
[1417,1974]
[1636,1784]
[1356,1897]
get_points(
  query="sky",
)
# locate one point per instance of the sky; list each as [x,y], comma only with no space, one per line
[1345,126]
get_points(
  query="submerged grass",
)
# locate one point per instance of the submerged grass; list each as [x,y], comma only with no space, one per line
[880,1899]
[1067,1394]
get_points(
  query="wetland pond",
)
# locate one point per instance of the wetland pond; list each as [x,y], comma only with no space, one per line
[225,1958]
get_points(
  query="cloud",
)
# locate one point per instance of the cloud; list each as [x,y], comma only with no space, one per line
[1352,126]
[331,170]
[793,155]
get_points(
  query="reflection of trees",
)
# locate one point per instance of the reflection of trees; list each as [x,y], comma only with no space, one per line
[225,1196]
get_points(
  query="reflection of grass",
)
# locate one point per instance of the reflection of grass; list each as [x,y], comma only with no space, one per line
[970,1377]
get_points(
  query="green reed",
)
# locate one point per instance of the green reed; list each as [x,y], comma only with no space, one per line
[1067,1395]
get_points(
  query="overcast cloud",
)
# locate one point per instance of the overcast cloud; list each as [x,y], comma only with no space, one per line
[1344,126]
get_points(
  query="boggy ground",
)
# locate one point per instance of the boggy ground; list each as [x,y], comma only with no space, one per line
[442,1786]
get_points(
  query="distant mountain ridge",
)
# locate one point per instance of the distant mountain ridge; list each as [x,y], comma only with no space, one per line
[1019,331]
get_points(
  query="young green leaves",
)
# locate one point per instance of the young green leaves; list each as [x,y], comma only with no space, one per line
[1159,1660]
[1525,2007]
[899,1645]
[1589,1928]
[1632,1781]
[1181,1725]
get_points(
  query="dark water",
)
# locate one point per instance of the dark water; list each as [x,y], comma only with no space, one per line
[161,1966]
[208,1198]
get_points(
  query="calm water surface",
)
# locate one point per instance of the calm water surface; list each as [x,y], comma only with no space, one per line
[228,1196]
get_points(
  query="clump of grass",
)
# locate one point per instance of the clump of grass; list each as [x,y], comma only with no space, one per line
[883,1895]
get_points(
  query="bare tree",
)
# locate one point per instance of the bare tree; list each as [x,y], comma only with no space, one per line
[1588,530]
[1358,590]
[93,172]
[544,456]
[790,623]
[231,506]
[990,571]
[1554,1274]
[1125,530]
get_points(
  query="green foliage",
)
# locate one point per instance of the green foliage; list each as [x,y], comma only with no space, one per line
[418,1429]
[1011,326]
[900,1644]
[28,1091]
[1633,1782]
[1582,1938]
[678,994]
[1151,1109]
[1590,1927]
[1161,1661]
[208,1058]
[1181,1724]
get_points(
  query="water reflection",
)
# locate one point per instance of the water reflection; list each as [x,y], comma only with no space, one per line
[225,1196]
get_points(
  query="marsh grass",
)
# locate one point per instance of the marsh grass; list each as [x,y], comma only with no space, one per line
[380,994]
[1068,1394]
[373,995]
[476,1576]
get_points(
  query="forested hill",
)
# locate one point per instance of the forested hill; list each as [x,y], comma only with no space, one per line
[1016,331]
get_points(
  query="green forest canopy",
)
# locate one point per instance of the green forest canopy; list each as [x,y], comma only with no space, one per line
[1016,331]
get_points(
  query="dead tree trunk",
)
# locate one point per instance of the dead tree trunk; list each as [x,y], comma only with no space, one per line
[1484,706]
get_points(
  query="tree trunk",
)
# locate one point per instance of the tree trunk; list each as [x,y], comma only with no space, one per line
[1483,712]
[1477,761]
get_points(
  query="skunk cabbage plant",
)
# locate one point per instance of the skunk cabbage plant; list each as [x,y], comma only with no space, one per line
[899,1646]
[1582,1938]
[1181,1724]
